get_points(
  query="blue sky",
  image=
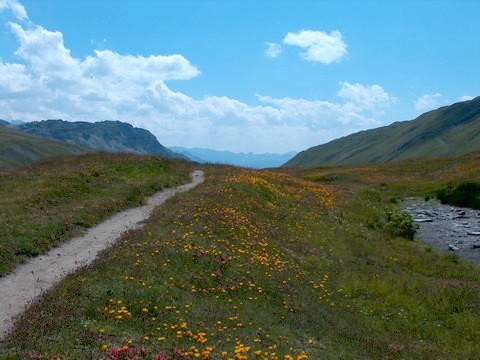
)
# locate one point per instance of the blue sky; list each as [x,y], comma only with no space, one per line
[259,76]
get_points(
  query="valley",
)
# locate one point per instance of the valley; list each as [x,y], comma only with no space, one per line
[239,180]
[293,263]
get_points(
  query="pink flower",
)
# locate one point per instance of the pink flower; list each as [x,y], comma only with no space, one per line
[161,356]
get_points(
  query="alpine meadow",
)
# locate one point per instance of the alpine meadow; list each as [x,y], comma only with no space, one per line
[239,180]
[269,265]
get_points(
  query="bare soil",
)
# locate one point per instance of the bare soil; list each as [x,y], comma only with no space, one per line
[28,281]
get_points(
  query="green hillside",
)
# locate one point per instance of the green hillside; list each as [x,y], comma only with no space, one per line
[448,131]
[19,149]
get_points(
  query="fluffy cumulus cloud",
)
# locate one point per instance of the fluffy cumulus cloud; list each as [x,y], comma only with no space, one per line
[319,46]
[47,81]
[428,102]
[360,108]
[14,79]
[273,50]
[50,82]
[15,7]
[44,51]
[371,98]
[466,98]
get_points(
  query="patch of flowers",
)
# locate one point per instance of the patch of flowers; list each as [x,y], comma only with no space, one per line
[230,258]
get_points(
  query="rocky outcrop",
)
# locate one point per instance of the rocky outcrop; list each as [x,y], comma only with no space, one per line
[104,136]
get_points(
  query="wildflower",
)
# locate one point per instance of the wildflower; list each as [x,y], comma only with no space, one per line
[161,356]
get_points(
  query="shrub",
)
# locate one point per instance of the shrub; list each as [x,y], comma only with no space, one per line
[401,223]
[466,194]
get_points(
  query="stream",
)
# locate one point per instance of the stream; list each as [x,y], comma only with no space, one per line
[446,228]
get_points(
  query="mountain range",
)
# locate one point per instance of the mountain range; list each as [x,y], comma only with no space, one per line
[448,131]
[251,160]
[23,143]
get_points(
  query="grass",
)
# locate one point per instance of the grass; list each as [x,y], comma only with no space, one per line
[43,205]
[265,265]
[18,149]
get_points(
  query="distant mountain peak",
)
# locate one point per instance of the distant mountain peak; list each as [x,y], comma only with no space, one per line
[108,136]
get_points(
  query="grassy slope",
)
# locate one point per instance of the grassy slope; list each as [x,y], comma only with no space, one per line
[264,265]
[18,149]
[43,205]
[448,131]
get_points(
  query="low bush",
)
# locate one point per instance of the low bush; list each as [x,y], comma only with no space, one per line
[466,194]
[401,223]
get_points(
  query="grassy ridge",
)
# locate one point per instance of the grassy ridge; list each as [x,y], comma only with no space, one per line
[448,131]
[264,265]
[46,204]
[19,149]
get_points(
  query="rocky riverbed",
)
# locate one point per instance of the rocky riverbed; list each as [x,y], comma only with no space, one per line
[446,228]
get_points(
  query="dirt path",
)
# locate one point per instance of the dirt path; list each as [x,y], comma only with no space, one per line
[28,281]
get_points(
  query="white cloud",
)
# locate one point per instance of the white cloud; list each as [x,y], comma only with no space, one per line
[49,82]
[14,79]
[273,50]
[109,64]
[466,98]
[366,98]
[14,6]
[44,51]
[427,102]
[320,46]
[319,114]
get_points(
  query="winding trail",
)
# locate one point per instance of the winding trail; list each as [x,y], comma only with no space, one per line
[28,281]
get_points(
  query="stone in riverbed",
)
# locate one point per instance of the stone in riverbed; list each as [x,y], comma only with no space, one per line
[452,247]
